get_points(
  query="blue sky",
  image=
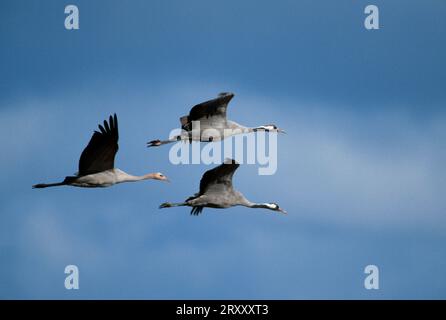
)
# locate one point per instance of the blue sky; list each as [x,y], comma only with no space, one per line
[361,171]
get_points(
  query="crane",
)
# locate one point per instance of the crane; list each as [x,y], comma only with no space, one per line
[96,164]
[214,125]
[216,191]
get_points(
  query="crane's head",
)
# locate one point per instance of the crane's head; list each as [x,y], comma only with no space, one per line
[275,207]
[269,128]
[160,176]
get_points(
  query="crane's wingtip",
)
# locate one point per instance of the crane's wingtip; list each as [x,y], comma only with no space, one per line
[230,161]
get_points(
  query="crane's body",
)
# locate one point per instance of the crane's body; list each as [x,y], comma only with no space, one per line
[213,123]
[102,179]
[105,178]
[110,177]
[216,191]
[96,164]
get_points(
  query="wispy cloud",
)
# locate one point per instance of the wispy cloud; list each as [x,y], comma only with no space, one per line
[340,173]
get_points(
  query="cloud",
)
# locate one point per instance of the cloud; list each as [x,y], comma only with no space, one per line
[344,178]
[377,169]
[342,167]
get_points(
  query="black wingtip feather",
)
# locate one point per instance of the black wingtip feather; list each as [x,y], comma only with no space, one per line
[107,128]
[116,125]
[102,129]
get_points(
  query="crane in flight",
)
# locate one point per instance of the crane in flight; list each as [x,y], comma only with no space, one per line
[96,164]
[214,125]
[216,191]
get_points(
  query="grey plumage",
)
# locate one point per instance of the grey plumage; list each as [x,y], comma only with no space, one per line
[97,162]
[98,155]
[217,191]
[213,121]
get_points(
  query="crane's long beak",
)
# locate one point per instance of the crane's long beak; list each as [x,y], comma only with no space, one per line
[282,211]
[281,131]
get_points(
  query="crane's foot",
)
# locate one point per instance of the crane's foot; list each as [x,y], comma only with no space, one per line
[154,143]
[165,205]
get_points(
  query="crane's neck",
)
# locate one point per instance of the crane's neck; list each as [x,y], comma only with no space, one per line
[125,177]
[238,128]
[259,128]
[250,204]
[261,205]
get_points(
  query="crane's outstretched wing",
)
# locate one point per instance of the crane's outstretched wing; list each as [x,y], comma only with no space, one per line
[219,179]
[211,114]
[99,155]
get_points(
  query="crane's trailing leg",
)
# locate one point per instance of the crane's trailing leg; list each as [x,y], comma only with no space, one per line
[157,143]
[67,181]
[170,205]
[46,185]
